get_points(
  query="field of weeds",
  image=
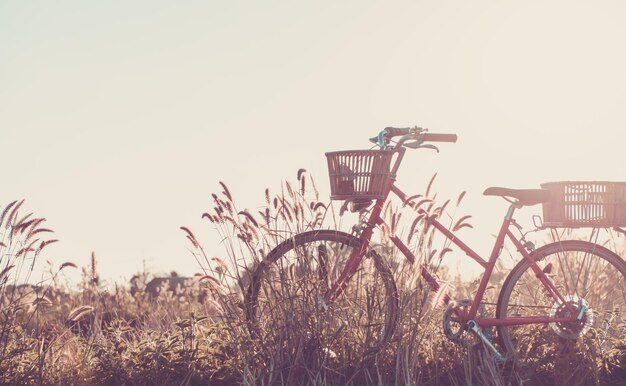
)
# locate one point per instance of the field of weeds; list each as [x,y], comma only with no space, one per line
[194,331]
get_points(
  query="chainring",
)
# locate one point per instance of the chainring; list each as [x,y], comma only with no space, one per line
[453,325]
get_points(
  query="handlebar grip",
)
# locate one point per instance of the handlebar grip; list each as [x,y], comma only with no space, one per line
[397,131]
[431,137]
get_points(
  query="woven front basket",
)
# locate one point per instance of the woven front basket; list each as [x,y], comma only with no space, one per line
[576,204]
[359,174]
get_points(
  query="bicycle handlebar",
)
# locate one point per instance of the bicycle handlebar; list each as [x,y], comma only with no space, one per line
[387,133]
[398,131]
[432,137]
[416,133]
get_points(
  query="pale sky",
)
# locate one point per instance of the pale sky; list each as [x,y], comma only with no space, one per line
[118,118]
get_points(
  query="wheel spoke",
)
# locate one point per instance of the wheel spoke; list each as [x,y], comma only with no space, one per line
[587,274]
[360,321]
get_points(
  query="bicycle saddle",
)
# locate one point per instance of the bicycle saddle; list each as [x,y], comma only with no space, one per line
[526,197]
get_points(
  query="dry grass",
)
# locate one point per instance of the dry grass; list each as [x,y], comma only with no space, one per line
[104,335]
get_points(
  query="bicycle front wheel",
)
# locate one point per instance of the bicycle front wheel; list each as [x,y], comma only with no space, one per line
[283,300]
[592,279]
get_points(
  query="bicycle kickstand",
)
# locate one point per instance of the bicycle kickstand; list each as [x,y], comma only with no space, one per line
[474,327]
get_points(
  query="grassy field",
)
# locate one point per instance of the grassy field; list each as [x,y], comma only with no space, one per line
[139,334]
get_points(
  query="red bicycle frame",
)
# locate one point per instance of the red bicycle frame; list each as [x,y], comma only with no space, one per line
[488,265]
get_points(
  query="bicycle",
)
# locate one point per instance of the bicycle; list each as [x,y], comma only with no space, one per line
[563,295]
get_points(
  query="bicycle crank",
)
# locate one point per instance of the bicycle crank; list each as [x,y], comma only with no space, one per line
[472,325]
[454,324]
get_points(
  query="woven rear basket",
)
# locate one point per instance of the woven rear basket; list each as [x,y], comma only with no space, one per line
[359,174]
[576,204]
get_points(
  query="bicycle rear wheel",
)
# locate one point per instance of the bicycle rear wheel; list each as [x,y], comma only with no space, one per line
[283,300]
[585,274]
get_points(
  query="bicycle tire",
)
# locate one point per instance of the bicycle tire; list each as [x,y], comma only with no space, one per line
[284,310]
[569,351]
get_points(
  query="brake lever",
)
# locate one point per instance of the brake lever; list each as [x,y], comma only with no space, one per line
[374,140]
[417,145]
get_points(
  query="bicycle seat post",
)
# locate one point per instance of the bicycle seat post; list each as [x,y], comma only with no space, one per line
[514,205]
